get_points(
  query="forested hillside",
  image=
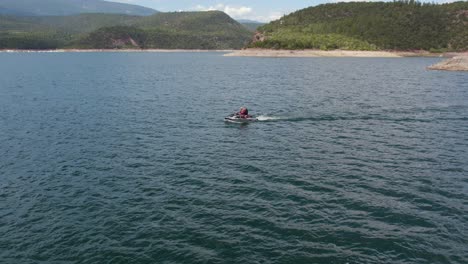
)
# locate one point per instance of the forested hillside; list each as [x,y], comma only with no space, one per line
[181,30]
[401,25]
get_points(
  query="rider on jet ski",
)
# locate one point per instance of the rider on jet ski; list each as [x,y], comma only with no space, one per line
[243,113]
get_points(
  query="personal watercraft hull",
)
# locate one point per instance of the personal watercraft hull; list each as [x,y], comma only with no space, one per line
[235,119]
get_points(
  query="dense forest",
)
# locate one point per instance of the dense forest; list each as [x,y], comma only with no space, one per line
[399,25]
[176,30]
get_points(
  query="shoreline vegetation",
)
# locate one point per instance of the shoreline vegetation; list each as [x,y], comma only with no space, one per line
[372,29]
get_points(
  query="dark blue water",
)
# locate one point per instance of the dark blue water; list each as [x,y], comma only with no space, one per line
[125,158]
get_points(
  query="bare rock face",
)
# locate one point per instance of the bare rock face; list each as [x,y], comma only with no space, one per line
[459,63]
[258,37]
[124,42]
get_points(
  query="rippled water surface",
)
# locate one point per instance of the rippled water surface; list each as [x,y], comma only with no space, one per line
[125,158]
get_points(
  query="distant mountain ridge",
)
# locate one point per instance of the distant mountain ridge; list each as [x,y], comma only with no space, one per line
[252,25]
[249,21]
[13,12]
[69,7]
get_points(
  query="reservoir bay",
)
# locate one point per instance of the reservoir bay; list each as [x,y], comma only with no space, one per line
[125,158]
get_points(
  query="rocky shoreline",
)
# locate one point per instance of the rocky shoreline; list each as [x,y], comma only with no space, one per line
[458,63]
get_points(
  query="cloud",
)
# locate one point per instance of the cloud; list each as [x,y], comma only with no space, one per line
[340,1]
[237,12]
[233,11]
[274,16]
[242,12]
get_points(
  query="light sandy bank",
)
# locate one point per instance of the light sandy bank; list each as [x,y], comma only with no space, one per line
[311,53]
[337,53]
[459,63]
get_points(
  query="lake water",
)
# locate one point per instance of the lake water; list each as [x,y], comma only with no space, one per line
[125,158]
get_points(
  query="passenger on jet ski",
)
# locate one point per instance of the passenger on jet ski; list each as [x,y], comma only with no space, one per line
[241,117]
[243,113]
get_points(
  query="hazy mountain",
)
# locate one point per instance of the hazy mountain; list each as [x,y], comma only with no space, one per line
[251,25]
[249,21]
[13,12]
[69,7]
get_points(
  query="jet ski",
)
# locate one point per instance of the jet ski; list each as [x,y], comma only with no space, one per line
[234,118]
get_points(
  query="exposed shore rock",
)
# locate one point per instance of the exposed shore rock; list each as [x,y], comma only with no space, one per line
[459,63]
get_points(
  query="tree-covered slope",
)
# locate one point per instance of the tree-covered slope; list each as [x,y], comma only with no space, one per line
[84,22]
[181,30]
[371,25]
[69,7]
